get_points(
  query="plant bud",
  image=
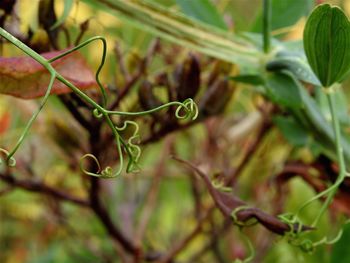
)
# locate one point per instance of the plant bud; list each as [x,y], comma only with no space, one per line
[216,98]
[187,78]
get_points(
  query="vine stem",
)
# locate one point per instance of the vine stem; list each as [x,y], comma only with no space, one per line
[131,149]
[340,155]
[267,25]
[332,190]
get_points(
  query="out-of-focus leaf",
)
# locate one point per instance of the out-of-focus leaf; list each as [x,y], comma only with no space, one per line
[248,79]
[283,89]
[68,4]
[285,13]
[25,78]
[294,133]
[327,43]
[204,11]
[299,67]
[311,117]
[180,29]
[340,252]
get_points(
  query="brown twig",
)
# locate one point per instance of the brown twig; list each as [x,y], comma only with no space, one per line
[105,218]
[42,188]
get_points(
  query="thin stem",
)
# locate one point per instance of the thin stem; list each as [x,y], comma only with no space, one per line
[103,60]
[25,49]
[340,156]
[332,190]
[184,110]
[33,118]
[267,25]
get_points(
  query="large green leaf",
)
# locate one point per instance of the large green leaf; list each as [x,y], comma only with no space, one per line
[182,30]
[327,43]
[340,251]
[248,79]
[283,90]
[295,64]
[204,11]
[293,131]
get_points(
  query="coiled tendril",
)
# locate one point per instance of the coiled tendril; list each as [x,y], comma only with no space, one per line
[296,237]
[185,110]
[5,157]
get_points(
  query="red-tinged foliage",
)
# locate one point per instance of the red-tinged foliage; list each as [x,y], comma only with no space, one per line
[25,78]
[4,122]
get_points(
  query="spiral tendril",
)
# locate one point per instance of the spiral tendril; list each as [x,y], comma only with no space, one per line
[97,113]
[295,236]
[6,158]
[190,108]
[186,109]
[237,222]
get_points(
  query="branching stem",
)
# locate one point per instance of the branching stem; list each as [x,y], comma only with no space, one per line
[186,109]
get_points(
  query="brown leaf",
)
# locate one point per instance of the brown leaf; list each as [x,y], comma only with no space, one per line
[227,203]
[25,78]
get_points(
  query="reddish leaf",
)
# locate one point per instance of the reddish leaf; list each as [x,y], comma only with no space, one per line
[25,78]
[4,122]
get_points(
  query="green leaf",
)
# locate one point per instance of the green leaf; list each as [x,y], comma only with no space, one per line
[282,89]
[248,79]
[204,11]
[68,5]
[299,67]
[181,30]
[294,133]
[327,43]
[285,13]
[340,251]
[312,118]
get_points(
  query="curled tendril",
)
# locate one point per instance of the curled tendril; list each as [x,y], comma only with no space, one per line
[6,158]
[105,173]
[103,60]
[296,239]
[133,150]
[294,236]
[190,110]
[97,113]
[186,109]
[237,222]
[250,247]
[292,220]
[220,185]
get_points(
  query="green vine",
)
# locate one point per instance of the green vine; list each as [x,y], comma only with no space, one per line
[185,110]
[244,237]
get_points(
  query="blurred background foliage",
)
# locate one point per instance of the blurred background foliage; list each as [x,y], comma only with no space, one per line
[38,228]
